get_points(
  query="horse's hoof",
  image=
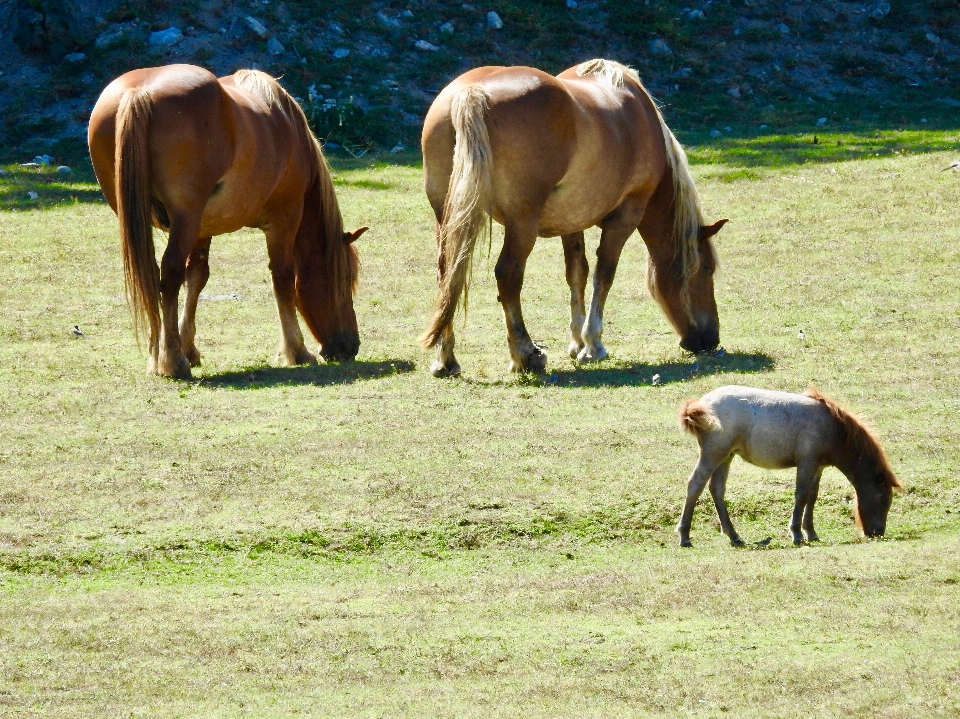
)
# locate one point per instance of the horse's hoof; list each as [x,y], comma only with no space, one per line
[686,543]
[812,537]
[193,356]
[588,354]
[179,368]
[737,542]
[574,349]
[440,370]
[292,358]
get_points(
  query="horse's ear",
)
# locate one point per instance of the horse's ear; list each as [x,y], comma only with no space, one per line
[710,230]
[349,237]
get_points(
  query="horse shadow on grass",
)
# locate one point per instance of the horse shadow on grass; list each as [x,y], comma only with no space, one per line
[640,374]
[318,375]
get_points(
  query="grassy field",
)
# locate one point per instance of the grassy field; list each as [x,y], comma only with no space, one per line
[363,540]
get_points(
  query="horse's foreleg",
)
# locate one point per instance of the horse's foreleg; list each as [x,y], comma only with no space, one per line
[615,233]
[445,365]
[575,258]
[718,486]
[518,242]
[695,485]
[198,272]
[808,485]
[807,522]
[171,361]
[280,246]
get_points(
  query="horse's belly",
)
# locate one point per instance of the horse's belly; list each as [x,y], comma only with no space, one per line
[573,210]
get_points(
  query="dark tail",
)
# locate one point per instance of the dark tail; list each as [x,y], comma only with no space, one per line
[696,418]
[132,162]
[463,213]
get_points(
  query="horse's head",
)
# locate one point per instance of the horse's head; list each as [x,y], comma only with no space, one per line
[689,302]
[336,328]
[873,482]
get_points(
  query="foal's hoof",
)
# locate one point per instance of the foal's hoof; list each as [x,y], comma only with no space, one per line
[574,349]
[592,354]
[439,369]
[533,360]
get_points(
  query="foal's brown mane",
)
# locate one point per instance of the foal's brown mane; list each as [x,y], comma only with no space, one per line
[338,258]
[859,436]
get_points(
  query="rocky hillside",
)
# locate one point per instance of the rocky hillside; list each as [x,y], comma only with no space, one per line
[367,71]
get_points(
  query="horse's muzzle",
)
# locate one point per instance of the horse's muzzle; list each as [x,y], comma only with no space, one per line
[342,347]
[697,341]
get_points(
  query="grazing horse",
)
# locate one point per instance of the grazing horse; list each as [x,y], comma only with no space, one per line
[547,156]
[776,430]
[176,148]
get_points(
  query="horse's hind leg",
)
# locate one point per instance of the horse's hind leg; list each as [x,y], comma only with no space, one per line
[718,486]
[518,242]
[281,236]
[171,361]
[695,485]
[616,229]
[575,258]
[808,486]
[198,272]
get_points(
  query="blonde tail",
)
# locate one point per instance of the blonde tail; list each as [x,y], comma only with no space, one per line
[696,418]
[134,205]
[463,210]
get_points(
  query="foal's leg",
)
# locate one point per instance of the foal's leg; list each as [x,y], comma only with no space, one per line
[518,242]
[198,272]
[445,365]
[171,361]
[575,257]
[615,232]
[718,485]
[281,235]
[808,484]
[695,485]
[807,522]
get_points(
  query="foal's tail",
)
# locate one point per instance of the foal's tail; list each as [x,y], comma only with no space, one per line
[696,418]
[134,205]
[464,217]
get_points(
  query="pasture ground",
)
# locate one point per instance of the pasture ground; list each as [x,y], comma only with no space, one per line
[364,540]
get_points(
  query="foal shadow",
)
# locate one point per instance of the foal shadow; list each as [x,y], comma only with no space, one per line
[640,374]
[318,375]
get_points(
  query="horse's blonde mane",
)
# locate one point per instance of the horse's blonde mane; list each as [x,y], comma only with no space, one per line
[260,84]
[858,434]
[688,215]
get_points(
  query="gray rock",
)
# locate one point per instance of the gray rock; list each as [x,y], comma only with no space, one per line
[63,170]
[257,27]
[933,37]
[734,92]
[660,47]
[30,164]
[821,122]
[111,37]
[337,28]
[447,28]
[166,38]
[4,173]
[397,148]
[43,159]
[493,21]
[696,15]
[783,29]
[275,47]
[572,4]
[75,57]
[340,53]
[407,13]
[685,72]
[880,11]
[388,21]
[424,45]
[715,133]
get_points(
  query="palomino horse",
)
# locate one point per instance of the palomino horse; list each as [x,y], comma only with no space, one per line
[176,148]
[775,430]
[547,156]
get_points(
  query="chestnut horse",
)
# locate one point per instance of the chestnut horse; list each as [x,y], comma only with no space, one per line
[777,430]
[176,148]
[547,156]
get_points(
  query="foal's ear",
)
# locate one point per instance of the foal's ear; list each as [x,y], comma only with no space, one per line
[710,230]
[349,237]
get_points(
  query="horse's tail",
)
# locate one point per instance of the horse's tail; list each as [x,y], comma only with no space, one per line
[696,418]
[464,217]
[134,205]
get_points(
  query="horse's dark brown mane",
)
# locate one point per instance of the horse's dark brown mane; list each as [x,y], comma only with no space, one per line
[859,437]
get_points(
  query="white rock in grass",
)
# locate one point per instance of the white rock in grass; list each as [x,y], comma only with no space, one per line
[63,170]
[166,38]
[4,173]
[660,47]
[75,57]
[340,53]
[275,47]
[572,4]
[32,195]
[257,27]
[493,21]
[447,28]
[424,45]
[397,148]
